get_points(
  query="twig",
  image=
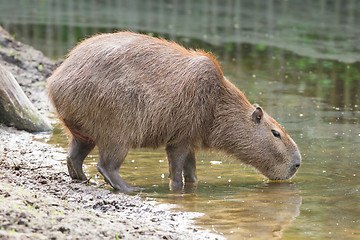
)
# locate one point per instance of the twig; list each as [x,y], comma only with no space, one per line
[70,188]
[67,191]
[87,180]
[101,185]
[38,167]
[34,168]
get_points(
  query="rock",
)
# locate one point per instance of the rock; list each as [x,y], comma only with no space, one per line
[16,109]
[29,67]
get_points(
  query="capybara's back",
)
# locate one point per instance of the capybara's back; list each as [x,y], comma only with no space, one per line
[126,90]
[134,89]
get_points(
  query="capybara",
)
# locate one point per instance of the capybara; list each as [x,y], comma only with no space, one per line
[126,90]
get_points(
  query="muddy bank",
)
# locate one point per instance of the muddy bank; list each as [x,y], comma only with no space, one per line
[38,200]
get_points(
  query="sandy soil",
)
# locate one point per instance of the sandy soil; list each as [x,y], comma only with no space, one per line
[38,200]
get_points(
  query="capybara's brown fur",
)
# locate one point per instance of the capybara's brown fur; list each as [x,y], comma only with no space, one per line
[127,90]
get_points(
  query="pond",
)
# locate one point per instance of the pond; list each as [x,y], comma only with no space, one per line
[311,86]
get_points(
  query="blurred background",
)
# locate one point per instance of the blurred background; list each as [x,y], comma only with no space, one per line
[322,29]
[299,59]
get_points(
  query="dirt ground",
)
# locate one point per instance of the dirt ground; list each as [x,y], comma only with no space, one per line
[38,200]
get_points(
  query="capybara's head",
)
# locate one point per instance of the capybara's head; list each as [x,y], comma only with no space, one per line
[255,138]
[274,153]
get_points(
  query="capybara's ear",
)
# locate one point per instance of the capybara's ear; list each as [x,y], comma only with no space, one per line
[257,114]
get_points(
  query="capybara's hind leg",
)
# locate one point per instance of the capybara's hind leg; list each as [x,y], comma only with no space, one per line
[77,152]
[109,164]
[189,169]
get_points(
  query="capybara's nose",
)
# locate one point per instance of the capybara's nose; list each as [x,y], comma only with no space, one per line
[296,161]
[294,169]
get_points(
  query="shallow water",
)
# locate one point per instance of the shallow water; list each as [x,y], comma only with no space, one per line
[321,201]
[316,99]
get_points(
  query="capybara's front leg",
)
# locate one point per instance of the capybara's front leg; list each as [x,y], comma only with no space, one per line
[109,164]
[77,153]
[189,169]
[176,156]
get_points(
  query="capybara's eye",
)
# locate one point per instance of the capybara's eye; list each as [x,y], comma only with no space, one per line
[276,134]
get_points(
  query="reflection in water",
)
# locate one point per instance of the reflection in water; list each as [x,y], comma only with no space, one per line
[262,213]
[315,97]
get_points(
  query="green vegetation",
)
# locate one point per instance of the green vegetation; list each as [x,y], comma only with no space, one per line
[11,53]
[40,67]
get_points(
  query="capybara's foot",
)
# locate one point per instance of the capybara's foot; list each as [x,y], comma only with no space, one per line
[190,187]
[113,178]
[190,179]
[71,170]
[73,173]
[127,190]
[124,188]
[176,186]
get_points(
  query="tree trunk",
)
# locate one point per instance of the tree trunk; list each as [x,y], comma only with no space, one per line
[16,109]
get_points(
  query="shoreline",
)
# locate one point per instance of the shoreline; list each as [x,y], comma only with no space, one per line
[38,200]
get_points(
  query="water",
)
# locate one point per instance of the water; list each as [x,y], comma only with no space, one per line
[315,96]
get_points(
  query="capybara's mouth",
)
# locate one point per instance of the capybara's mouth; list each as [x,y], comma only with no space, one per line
[280,180]
[290,175]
